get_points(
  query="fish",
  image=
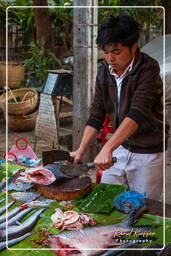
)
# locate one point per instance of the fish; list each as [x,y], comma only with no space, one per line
[44,175]
[3,208]
[2,185]
[4,245]
[14,185]
[2,200]
[19,186]
[12,213]
[25,196]
[91,240]
[40,202]
[45,200]
[166,251]
[118,252]
[134,245]
[14,220]
[19,230]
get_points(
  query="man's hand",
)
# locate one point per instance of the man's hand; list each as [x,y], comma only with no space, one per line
[103,160]
[88,137]
[76,155]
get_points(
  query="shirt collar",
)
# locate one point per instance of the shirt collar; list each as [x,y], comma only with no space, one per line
[129,68]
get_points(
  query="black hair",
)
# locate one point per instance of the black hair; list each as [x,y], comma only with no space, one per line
[121,29]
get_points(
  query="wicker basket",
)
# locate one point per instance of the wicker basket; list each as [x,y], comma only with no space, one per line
[28,104]
[15,74]
[22,123]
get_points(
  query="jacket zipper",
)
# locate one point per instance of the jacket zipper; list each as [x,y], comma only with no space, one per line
[121,94]
[116,119]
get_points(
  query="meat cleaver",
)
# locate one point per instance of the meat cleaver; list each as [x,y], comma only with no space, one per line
[74,170]
[57,156]
[49,157]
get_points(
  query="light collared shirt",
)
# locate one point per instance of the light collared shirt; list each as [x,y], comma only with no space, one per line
[119,79]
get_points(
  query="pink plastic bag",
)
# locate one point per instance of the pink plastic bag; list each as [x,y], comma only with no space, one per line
[18,152]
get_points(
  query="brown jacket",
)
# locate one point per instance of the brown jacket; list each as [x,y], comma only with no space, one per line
[140,100]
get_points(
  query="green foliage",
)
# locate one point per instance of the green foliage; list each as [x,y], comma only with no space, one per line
[23,17]
[18,16]
[43,228]
[3,6]
[150,19]
[147,18]
[62,27]
[62,2]
[101,199]
[109,2]
[10,170]
[40,61]
[62,18]
[140,2]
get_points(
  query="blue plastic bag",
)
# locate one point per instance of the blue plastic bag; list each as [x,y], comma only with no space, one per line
[129,200]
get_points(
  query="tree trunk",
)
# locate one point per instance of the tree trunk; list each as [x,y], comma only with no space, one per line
[2,36]
[43,24]
[167,5]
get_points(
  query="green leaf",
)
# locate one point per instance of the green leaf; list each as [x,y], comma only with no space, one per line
[101,198]
[44,226]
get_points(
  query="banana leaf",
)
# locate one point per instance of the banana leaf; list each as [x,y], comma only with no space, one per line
[43,227]
[11,168]
[101,199]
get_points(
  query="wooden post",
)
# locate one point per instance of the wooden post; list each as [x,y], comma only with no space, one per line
[85,65]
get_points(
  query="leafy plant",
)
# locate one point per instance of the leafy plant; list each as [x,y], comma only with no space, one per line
[150,19]
[40,62]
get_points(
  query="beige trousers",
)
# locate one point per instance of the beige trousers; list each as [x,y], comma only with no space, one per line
[141,172]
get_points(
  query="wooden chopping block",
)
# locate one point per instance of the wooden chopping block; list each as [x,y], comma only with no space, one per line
[66,189]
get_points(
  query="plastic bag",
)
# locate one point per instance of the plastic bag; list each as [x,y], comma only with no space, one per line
[129,200]
[24,154]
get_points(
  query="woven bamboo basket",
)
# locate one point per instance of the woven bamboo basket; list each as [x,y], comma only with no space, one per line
[15,74]
[28,103]
[22,123]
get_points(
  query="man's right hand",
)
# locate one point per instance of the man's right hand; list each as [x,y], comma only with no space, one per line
[76,155]
[88,137]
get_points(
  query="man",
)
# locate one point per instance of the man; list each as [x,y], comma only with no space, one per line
[128,89]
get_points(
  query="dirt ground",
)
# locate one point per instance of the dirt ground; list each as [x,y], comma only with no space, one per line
[43,145]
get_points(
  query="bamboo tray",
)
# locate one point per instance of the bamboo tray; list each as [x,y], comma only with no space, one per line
[66,189]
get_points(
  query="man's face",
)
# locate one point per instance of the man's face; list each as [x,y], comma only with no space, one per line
[119,56]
